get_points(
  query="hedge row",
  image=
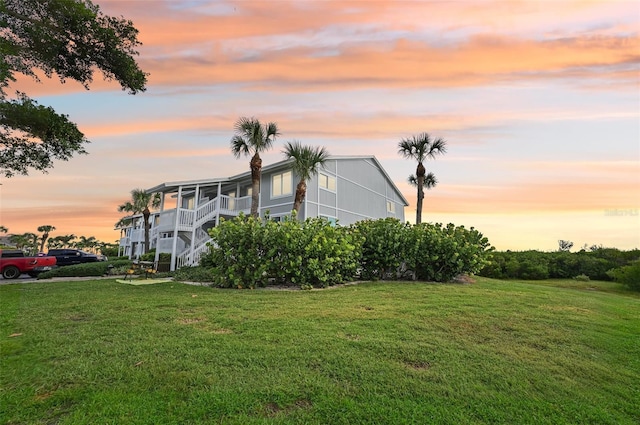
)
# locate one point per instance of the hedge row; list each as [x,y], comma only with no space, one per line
[537,265]
[99,268]
[247,252]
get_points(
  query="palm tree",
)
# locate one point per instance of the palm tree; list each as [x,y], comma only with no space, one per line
[141,203]
[306,161]
[3,229]
[46,229]
[421,148]
[89,243]
[27,242]
[430,181]
[67,240]
[250,139]
[55,243]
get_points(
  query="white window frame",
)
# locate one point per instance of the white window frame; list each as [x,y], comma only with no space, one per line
[288,175]
[326,178]
[391,207]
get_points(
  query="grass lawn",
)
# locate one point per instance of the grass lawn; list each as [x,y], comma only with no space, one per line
[101,352]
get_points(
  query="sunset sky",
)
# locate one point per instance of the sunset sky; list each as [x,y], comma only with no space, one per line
[539,102]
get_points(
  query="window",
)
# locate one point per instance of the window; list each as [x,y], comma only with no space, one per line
[281,184]
[332,220]
[327,182]
[279,218]
[391,207]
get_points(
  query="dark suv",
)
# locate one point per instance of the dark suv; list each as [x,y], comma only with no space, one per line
[67,257]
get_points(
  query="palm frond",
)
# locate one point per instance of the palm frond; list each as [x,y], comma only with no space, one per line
[429,182]
[307,159]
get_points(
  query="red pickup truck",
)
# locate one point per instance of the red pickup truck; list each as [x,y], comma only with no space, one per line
[13,263]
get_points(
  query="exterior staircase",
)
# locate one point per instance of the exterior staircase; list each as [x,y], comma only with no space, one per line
[191,257]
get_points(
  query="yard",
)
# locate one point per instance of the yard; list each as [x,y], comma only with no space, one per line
[98,352]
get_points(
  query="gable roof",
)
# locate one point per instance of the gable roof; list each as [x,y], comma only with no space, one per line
[169,186]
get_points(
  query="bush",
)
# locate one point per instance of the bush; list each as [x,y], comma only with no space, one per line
[384,243]
[557,265]
[149,256]
[628,275]
[194,274]
[430,252]
[247,252]
[440,253]
[99,268]
[582,278]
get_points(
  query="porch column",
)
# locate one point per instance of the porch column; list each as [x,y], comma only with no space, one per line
[195,217]
[218,203]
[175,230]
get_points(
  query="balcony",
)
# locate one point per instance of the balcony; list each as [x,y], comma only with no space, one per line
[187,218]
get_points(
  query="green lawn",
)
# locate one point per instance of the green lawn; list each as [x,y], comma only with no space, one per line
[101,352]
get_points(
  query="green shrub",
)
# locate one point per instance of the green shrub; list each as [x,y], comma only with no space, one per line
[440,253]
[430,252]
[99,268]
[149,256]
[582,278]
[247,252]
[557,265]
[194,274]
[384,244]
[628,275]
[238,251]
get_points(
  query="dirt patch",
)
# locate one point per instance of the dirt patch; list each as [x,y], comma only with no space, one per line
[272,409]
[418,365]
[191,320]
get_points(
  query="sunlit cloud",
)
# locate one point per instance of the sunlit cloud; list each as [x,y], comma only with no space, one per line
[538,101]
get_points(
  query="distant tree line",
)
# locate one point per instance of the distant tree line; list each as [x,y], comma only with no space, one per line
[596,263]
[32,243]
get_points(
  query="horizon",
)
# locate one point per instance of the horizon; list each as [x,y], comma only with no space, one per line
[539,104]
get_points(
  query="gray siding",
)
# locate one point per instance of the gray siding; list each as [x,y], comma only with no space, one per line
[362,192]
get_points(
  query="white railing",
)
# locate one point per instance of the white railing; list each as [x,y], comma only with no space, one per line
[188,218]
[153,234]
[206,211]
[201,236]
[234,205]
[185,219]
[191,258]
[243,204]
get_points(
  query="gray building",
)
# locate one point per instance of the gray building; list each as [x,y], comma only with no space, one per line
[346,190]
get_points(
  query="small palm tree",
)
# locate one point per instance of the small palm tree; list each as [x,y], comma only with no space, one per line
[141,203]
[421,148]
[250,139]
[306,161]
[88,243]
[46,229]
[27,242]
[67,240]
[430,181]
[3,229]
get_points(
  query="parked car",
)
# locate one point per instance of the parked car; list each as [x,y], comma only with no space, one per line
[13,263]
[68,257]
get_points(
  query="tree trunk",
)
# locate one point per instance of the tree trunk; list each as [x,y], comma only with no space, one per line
[301,192]
[256,170]
[420,173]
[45,236]
[146,214]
